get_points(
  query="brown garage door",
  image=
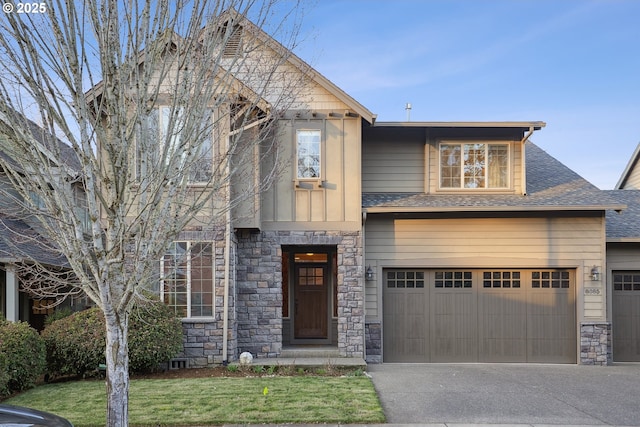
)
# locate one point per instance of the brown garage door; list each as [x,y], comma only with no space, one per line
[626,316]
[476,315]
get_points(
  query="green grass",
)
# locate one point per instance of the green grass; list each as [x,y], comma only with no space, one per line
[215,401]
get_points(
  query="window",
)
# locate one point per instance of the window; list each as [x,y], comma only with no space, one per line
[550,279]
[626,280]
[474,165]
[405,279]
[308,154]
[453,279]
[156,148]
[501,279]
[187,279]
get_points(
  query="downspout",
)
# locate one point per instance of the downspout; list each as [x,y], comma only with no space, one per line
[227,262]
[524,160]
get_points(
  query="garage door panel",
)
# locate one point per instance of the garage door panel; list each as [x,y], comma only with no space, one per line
[405,333]
[454,330]
[503,327]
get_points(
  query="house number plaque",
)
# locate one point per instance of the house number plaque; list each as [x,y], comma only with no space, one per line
[592,291]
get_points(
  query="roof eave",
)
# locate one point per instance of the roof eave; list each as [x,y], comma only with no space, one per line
[423,209]
[536,125]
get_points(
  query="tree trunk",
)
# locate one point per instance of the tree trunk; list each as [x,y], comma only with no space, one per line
[117,355]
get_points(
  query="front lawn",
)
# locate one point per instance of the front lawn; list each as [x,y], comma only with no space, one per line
[215,401]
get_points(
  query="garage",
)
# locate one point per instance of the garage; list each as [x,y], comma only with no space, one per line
[479,315]
[626,316]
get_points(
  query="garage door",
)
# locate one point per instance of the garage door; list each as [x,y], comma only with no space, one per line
[471,315]
[626,316]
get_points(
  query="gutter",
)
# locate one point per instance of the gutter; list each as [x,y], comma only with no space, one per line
[539,208]
[523,169]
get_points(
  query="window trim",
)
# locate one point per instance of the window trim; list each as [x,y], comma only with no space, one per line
[486,143]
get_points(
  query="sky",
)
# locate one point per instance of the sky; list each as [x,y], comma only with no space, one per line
[573,64]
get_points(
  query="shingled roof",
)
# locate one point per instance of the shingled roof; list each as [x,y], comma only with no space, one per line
[625,225]
[21,242]
[551,186]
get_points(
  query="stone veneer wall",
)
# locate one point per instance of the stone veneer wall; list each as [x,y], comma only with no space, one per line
[373,335]
[259,278]
[202,337]
[595,343]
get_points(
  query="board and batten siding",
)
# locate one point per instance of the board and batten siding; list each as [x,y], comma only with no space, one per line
[332,202]
[527,242]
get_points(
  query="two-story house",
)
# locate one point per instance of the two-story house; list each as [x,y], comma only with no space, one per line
[418,241]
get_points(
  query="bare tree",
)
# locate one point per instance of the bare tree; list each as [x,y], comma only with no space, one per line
[165,109]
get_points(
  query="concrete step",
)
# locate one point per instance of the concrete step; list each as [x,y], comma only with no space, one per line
[305,352]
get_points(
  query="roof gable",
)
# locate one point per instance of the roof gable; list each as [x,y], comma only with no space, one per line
[630,177]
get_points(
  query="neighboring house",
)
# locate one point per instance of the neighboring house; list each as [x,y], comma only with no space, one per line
[21,242]
[623,264]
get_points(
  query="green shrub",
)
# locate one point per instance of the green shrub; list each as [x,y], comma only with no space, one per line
[155,335]
[59,313]
[24,355]
[4,375]
[76,344]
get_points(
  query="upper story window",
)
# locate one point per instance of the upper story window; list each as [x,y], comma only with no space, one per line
[474,165]
[308,154]
[170,136]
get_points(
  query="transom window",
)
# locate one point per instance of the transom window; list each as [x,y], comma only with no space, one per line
[157,145]
[308,154]
[187,278]
[474,165]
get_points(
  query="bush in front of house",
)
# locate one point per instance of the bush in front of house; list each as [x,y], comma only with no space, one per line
[155,335]
[76,344]
[22,356]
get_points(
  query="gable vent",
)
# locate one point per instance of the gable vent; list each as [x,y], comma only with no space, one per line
[232,40]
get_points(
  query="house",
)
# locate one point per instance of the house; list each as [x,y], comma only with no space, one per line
[22,244]
[623,264]
[402,242]
[409,242]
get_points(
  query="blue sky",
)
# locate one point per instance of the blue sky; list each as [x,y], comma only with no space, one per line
[574,64]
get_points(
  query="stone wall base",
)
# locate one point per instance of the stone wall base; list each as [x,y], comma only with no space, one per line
[595,343]
[373,338]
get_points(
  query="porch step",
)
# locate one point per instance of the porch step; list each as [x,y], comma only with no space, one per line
[299,352]
[312,356]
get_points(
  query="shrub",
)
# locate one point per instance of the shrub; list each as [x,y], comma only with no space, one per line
[23,351]
[59,313]
[4,375]
[76,344]
[155,335]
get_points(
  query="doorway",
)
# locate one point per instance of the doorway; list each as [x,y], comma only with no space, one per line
[309,294]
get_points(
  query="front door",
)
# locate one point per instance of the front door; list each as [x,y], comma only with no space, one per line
[311,297]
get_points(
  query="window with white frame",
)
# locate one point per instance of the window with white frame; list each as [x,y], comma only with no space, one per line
[189,142]
[187,279]
[470,165]
[308,154]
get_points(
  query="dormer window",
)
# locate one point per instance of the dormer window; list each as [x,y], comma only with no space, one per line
[474,165]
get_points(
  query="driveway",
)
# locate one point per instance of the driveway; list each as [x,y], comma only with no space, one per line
[509,393]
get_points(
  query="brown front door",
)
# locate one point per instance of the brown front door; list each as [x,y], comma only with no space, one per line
[311,301]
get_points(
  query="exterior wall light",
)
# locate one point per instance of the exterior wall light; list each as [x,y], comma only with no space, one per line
[368,275]
[595,273]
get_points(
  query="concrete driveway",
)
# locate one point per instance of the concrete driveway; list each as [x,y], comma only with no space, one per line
[508,394]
